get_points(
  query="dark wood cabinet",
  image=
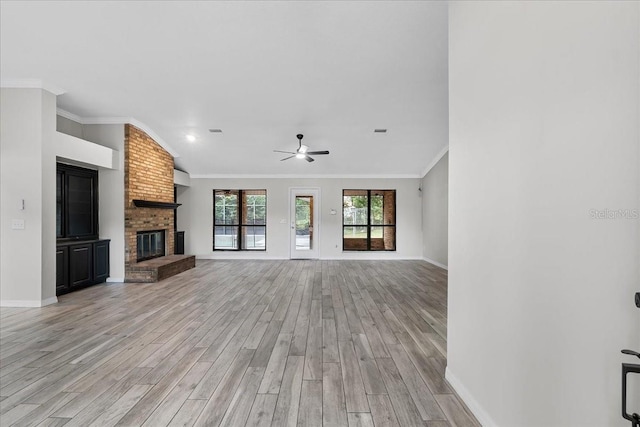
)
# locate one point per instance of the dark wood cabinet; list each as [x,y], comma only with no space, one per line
[76,203]
[62,269]
[179,249]
[81,264]
[101,261]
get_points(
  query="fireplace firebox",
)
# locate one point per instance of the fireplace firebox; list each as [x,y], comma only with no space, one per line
[150,244]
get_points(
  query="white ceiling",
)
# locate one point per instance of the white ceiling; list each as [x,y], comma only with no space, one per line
[260,71]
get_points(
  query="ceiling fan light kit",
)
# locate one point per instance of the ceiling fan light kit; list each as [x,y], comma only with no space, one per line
[302,152]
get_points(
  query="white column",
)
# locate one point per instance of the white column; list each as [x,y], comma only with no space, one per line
[27,195]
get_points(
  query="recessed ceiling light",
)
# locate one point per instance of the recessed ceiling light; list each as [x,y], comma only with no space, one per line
[215,130]
[379,131]
[190,138]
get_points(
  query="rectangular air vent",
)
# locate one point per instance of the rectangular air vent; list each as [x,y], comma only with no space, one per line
[379,131]
[215,130]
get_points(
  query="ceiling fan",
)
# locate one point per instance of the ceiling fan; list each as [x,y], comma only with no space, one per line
[302,151]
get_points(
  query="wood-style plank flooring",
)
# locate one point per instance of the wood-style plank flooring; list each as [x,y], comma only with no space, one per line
[235,343]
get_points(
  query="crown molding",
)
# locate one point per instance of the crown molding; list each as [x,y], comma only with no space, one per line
[299,176]
[119,121]
[68,115]
[435,160]
[154,136]
[31,84]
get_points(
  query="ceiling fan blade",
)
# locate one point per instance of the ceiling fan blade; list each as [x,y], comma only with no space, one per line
[308,159]
[317,153]
[287,152]
[287,158]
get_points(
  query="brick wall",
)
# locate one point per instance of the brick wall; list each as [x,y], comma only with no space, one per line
[389,213]
[148,175]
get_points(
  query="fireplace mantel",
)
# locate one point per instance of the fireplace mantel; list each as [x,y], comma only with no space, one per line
[152,204]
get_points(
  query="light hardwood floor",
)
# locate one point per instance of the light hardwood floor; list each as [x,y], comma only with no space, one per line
[235,343]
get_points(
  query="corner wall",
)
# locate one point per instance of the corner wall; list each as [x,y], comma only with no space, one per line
[544,139]
[435,213]
[27,172]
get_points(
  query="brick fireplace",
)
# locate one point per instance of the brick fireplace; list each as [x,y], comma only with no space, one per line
[148,175]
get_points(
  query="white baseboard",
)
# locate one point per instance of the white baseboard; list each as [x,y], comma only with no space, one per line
[363,256]
[368,256]
[115,279]
[48,301]
[473,405]
[436,263]
[28,303]
[237,256]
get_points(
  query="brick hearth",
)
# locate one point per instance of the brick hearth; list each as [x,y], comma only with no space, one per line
[154,270]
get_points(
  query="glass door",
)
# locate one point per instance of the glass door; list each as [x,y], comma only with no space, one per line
[304,229]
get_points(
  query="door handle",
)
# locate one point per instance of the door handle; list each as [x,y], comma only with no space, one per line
[628,368]
[631,353]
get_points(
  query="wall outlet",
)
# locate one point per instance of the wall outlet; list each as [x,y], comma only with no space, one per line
[17,224]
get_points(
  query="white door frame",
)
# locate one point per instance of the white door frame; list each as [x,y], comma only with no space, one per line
[314,253]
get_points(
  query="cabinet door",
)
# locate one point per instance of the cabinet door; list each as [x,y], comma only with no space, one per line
[62,269]
[179,243]
[81,210]
[100,261]
[81,264]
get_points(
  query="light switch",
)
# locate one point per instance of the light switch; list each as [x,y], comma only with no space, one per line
[17,224]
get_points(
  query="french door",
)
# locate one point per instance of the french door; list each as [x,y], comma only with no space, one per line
[304,216]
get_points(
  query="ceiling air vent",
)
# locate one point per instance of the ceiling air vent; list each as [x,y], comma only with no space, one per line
[379,131]
[215,130]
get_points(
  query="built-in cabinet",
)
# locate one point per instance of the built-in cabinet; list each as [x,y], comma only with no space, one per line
[81,264]
[76,202]
[81,258]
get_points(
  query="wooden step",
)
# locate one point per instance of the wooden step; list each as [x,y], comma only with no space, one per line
[156,269]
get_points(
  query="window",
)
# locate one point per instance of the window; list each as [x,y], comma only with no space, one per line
[240,220]
[369,220]
[76,202]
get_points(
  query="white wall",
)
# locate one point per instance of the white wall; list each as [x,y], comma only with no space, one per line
[27,172]
[48,189]
[69,127]
[544,119]
[80,152]
[195,216]
[111,193]
[181,178]
[435,213]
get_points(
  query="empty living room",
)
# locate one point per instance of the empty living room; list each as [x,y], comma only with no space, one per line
[320,213]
